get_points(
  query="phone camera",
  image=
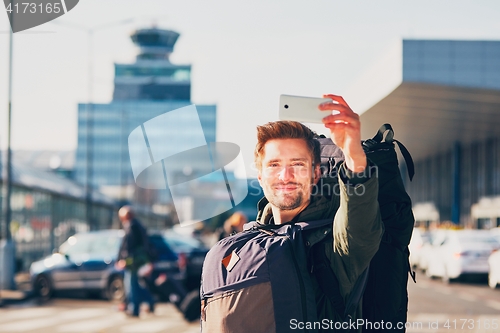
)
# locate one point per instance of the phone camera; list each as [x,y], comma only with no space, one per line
[286,106]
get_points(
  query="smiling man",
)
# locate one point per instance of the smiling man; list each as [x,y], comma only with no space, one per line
[287,156]
[287,171]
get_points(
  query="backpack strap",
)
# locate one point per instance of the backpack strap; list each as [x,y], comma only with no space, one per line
[356,294]
[389,138]
[326,278]
[329,284]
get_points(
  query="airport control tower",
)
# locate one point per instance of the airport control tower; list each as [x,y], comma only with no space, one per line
[144,89]
[153,76]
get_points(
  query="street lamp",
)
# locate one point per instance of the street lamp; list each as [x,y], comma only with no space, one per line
[89,108]
[7,250]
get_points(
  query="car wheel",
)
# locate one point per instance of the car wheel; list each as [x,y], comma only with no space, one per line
[429,274]
[447,280]
[190,306]
[43,287]
[116,289]
[492,282]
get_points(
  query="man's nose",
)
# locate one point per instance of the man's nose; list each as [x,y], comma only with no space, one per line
[286,173]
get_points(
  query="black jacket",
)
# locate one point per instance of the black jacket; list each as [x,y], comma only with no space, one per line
[135,245]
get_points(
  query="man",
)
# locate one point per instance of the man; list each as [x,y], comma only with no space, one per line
[288,160]
[134,252]
[232,225]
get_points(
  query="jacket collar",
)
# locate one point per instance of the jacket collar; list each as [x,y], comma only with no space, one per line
[316,205]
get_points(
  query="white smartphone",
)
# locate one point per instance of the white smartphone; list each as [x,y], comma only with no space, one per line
[304,109]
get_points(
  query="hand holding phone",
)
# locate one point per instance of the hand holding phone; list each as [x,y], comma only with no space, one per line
[304,109]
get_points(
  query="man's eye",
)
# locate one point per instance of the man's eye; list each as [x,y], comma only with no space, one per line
[273,165]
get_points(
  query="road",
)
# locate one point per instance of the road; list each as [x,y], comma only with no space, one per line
[67,315]
[434,307]
[458,307]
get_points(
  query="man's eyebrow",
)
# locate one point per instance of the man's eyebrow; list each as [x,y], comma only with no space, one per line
[296,159]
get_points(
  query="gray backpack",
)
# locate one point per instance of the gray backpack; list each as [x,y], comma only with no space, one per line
[264,271]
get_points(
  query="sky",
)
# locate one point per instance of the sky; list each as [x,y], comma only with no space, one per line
[244,54]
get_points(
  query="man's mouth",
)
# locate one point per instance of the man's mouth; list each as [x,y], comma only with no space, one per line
[286,187]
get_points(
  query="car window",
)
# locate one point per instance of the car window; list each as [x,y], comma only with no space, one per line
[105,246]
[181,243]
[158,243]
[162,249]
[75,245]
[437,239]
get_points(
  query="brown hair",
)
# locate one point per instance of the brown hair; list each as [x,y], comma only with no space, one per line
[235,222]
[285,129]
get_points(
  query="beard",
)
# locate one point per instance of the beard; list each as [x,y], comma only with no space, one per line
[286,201]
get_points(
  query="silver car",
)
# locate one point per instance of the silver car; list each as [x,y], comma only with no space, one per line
[85,262]
[461,252]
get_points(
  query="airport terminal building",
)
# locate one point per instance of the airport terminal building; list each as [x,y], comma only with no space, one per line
[442,98]
[145,89]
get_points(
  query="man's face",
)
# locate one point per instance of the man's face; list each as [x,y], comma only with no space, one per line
[286,174]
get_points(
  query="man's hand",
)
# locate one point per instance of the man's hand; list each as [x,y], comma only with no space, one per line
[345,129]
[120,264]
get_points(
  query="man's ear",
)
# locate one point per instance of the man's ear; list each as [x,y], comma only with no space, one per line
[316,174]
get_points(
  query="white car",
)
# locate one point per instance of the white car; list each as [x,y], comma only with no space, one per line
[494,263]
[494,273]
[427,251]
[461,252]
[419,238]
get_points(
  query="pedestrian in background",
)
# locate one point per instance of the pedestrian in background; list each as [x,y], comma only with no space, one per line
[233,224]
[133,254]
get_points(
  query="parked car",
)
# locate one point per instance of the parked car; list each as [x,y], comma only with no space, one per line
[494,269]
[427,249]
[191,253]
[461,252]
[85,262]
[418,240]
[494,262]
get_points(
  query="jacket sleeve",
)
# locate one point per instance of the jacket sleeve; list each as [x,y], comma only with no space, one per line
[357,230]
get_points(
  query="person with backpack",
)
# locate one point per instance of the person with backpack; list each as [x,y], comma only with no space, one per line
[134,253]
[232,225]
[300,265]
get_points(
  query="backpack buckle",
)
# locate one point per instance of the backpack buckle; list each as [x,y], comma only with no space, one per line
[369,143]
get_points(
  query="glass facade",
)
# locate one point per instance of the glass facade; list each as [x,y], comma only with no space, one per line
[112,125]
[43,218]
[479,177]
[47,209]
[461,176]
[472,64]
[177,73]
[143,90]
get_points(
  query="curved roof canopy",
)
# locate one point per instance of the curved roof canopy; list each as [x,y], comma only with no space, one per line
[428,119]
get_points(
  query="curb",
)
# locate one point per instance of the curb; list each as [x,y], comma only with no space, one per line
[13,297]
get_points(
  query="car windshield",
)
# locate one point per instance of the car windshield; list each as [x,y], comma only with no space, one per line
[159,243]
[105,246]
[75,245]
[92,244]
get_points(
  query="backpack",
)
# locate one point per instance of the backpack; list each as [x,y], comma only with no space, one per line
[385,296]
[271,261]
